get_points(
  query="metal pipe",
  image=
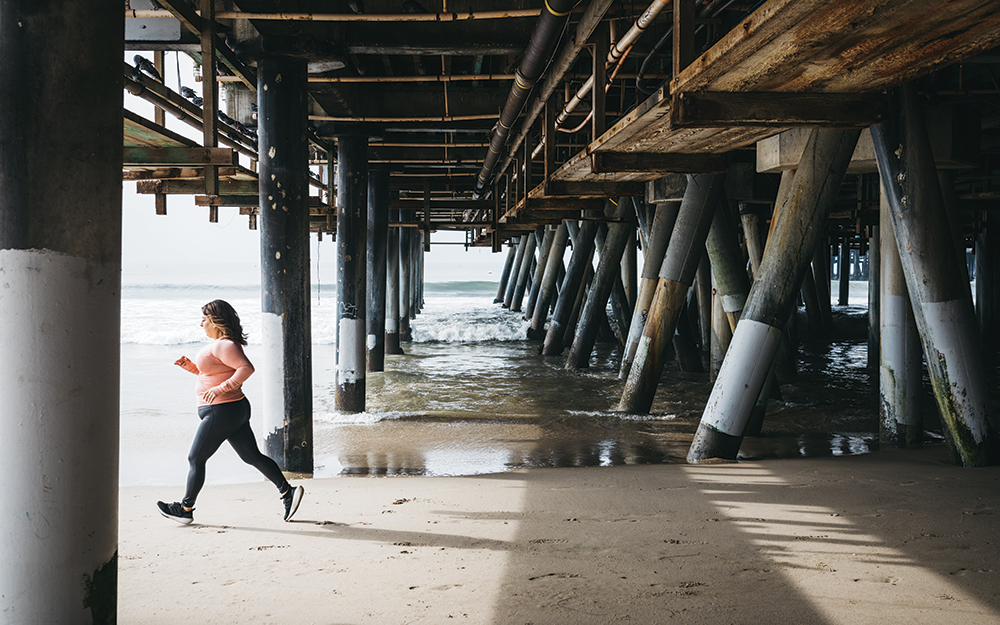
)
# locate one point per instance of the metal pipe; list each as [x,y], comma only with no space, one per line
[389,120]
[349,17]
[615,55]
[543,40]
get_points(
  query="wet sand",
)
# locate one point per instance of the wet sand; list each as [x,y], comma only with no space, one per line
[888,537]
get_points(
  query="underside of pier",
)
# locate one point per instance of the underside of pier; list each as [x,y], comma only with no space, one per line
[737,145]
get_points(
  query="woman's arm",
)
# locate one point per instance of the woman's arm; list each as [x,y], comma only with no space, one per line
[231,355]
[185,363]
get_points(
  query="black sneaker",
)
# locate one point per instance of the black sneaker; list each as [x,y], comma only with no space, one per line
[292,498]
[176,512]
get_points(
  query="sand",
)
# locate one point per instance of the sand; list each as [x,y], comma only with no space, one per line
[889,537]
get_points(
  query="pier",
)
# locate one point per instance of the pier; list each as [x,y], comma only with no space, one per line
[748,152]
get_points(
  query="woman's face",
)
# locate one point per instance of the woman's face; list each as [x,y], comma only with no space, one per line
[211,330]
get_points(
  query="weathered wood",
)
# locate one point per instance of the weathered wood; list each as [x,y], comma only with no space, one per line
[659,163]
[139,131]
[712,109]
[593,189]
[248,201]
[176,156]
[195,186]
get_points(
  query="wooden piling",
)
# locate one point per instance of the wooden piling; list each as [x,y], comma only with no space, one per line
[659,236]
[377,250]
[352,208]
[286,365]
[755,340]
[550,275]
[583,251]
[687,244]
[944,315]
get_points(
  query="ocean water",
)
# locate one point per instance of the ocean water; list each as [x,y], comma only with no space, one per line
[470,395]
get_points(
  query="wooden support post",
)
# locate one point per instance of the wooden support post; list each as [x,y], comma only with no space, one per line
[516,273]
[874,300]
[392,288]
[583,251]
[210,95]
[286,368]
[844,271]
[505,275]
[821,278]
[550,274]
[536,282]
[377,252]
[659,236]
[676,275]
[900,365]
[352,219]
[683,37]
[549,134]
[756,338]
[525,272]
[60,254]
[405,276]
[608,269]
[988,284]
[943,311]
[630,270]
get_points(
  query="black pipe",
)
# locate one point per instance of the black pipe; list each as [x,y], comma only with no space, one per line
[536,56]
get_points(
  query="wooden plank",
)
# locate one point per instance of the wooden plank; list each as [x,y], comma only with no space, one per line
[176,156]
[656,162]
[556,203]
[141,132]
[713,109]
[227,200]
[196,186]
[593,189]
[834,46]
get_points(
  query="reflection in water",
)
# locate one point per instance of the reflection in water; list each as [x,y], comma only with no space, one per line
[491,406]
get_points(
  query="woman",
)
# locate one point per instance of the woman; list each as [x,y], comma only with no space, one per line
[222,368]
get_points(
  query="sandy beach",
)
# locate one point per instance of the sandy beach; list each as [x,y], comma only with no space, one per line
[889,537]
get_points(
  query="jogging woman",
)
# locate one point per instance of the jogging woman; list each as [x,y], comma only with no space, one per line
[222,368]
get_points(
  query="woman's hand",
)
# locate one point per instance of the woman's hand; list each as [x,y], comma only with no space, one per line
[185,363]
[209,395]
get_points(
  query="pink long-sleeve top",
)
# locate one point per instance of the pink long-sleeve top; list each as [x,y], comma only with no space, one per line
[223,368]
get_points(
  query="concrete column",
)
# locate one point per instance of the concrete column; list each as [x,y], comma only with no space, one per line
[417,281]
[608,270]
[515,275]
[814,314]
[821,278]
[352,239]
[538,274]
[60,286]
[900,367]
[377,250]
[844,272]
[286,337]
[505,276]
[392,289]
[405,256]
[659,236]
[786,258]
[525,273]
[703,298]
[578,302]
[630,270]
[750,220]
[550,275]
[943,312]
[583,251]
[722,334]
[675,278]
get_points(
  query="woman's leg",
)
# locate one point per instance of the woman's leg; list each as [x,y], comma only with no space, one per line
[217,424]
[245,444]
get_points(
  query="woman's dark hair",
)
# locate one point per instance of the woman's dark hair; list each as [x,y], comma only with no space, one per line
[222,314]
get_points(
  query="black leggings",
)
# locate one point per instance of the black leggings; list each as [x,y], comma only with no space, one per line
[226,422]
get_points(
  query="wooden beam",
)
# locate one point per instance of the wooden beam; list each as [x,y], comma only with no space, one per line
[713,109]
[170,157]
[556,203]
[248,201]
[572,188]
[196,186]
[683,37]
[191,21]
[657,162]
